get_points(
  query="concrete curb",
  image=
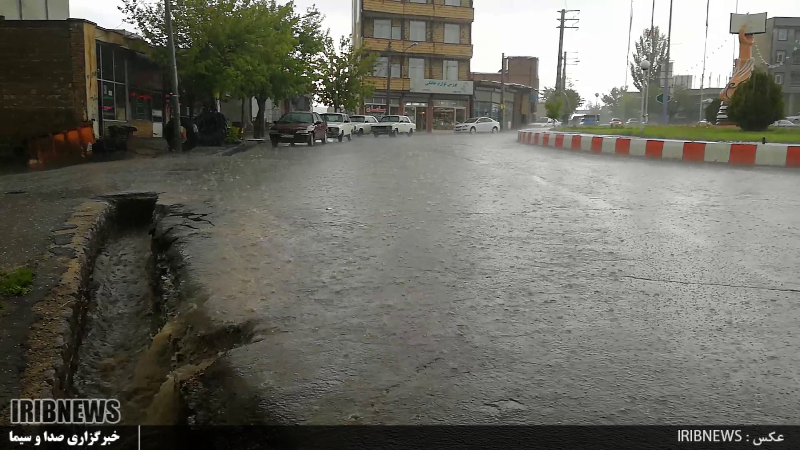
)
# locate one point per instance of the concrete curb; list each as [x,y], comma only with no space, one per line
[741,154]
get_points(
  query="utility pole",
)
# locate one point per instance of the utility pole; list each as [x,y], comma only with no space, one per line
[562,27]
[667,75]
[503,94]
[705,49]
[565,117]
[177,136]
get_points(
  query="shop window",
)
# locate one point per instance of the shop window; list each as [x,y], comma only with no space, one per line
[141,105]
[107,100]
[452,33]
[112,83]
[417,31]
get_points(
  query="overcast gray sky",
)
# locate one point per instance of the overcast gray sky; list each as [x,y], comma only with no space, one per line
[528,28]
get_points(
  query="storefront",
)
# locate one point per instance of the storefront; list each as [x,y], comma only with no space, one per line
[488,100]
[446,103]
[447,113]
[376,106]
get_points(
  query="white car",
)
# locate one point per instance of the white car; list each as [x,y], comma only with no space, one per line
[785,123]
[478,125]
[339,126]
[545,122]
[363,124]
[394,125]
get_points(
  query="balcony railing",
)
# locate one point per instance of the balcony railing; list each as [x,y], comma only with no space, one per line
[398,84]
[461,51]
[458,13]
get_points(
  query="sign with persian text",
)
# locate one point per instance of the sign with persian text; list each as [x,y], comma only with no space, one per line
[441,86]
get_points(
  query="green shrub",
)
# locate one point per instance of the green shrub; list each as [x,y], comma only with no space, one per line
[16,283]
[233,136]
[553,106]
[757,103]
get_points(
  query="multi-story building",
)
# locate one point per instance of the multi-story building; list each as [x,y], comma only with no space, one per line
[424,48]
[34,9]
[780,49]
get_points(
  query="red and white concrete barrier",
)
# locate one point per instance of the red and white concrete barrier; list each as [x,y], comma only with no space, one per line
[747,154]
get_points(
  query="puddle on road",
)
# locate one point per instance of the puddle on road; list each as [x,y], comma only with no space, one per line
[120,322]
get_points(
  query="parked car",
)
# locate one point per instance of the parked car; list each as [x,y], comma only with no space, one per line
[298,127]
[632,122]
[478,125]
[785,123]
[394,125]
[615,123]
[339,126]
[545,122]
[363,124]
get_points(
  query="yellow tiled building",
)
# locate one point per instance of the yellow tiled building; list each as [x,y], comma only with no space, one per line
[424,48]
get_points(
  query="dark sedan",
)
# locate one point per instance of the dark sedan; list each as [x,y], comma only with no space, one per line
[299,127]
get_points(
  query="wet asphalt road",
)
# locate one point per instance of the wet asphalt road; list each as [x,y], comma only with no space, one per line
[464,279]
[469,279]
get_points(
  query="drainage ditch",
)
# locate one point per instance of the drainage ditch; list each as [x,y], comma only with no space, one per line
[133,333]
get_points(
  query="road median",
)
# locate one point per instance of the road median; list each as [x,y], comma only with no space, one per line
[742,153]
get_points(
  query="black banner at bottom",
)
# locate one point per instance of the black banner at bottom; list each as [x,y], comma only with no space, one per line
[402,437]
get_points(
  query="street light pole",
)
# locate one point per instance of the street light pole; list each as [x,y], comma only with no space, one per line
[389,80]
[666,73]
[645,66]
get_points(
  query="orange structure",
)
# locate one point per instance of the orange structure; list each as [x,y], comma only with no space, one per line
[744,66]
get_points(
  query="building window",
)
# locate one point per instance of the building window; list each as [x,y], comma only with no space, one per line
[783,34]
[383,29]
[396,33]
[416,68]
[418,1]
[452,2]
[381,65]
[452,33]
[795,78]
[396,70]
[796,57]
[780,56]
[112,83]
[451,70]
[779,78]
[417,31]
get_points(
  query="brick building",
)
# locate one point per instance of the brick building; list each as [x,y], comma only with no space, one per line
[425,48]
[521,92]
[59,73]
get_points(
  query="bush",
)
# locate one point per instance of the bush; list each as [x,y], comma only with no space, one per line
[712,110]
[757,103]
[16,283]
[233,136]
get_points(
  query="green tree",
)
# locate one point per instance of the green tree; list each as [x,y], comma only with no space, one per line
[757,103]
[209,37]
[343,71]
[649,48]
[621,103]
[554,107]
[569,100]
[712,110]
